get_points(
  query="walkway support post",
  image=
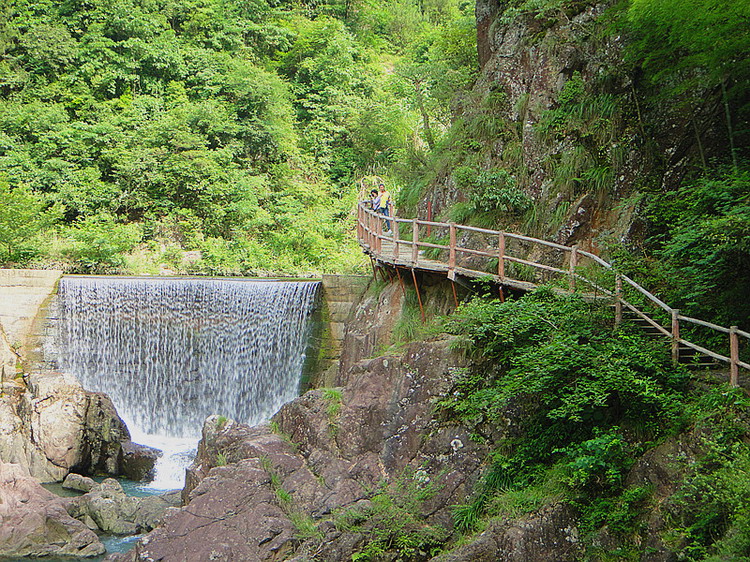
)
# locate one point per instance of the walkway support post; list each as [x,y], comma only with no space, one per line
[734,356]
[415,242]
[378,234]
[419,297]
[501,256]
[359,224]
[573,265]
[452,255]
[395,239]
[675,336]
[618,299]
[372,232]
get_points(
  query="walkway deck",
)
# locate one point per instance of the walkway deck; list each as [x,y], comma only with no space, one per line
[543,261]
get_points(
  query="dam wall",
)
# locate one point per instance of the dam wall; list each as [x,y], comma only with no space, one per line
[23,293]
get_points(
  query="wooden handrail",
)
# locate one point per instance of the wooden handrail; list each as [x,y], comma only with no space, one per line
[370,236]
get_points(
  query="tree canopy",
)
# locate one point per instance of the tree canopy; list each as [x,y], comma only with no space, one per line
[215,126]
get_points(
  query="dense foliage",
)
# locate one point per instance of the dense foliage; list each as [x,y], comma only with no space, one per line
[562,356]
[211,135]
[569,403]
[701,242]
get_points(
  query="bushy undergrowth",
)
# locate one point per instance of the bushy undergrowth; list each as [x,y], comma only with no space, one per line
[393,522]
[568,403]
[580,395]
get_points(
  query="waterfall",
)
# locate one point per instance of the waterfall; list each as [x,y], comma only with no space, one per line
[170,352]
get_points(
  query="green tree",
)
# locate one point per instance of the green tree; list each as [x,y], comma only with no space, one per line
[23,215]
[691,47]
[704,247]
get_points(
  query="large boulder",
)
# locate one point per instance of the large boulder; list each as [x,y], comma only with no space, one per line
[53,426]
[107,508]
[34,523]
[137,462]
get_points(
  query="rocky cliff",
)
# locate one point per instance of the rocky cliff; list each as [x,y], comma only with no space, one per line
[559,108]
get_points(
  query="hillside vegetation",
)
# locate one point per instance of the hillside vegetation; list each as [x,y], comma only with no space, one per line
[132,132]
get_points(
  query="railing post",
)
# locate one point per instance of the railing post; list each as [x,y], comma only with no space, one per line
[395,238]
[675,336]
[734,356]
[573,265]
[415,242]
[370,232]
[452,250]
[501,256]
[378,233]
[618,299]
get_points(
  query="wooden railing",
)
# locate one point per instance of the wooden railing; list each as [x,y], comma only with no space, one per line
[373,238]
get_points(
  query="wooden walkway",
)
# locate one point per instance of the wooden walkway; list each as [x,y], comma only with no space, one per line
[474,253]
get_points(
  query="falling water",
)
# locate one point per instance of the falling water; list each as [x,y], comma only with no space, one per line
[170,352]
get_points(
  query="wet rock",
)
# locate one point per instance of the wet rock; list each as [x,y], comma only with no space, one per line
[103,433]
[234,514]
[34,523]
[138,461]
[77,482]
[107,508]
[151,510]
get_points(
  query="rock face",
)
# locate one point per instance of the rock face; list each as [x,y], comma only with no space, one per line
[333,449]
[526,58]
[372,324]
[53,426]
[33,521]
[8,359]
[546,535]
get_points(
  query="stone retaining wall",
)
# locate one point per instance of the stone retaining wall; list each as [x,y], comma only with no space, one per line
[340,294]
[23,292]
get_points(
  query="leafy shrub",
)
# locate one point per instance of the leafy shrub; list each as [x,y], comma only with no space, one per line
[99,242]
[23,215]
[703,245]
[600,462]
[393,523]
[491,190]
[580,391]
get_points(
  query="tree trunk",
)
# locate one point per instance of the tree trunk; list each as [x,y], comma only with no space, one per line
[425,117]
[728,114]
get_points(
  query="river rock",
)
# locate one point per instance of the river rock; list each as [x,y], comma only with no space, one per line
[33,521]
[53,426]
[80,483]
[137,462]
[242,520]
[107,508]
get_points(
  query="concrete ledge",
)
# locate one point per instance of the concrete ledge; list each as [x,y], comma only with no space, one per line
[22,294]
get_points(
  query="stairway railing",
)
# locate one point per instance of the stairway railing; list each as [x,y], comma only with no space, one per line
[371,235]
